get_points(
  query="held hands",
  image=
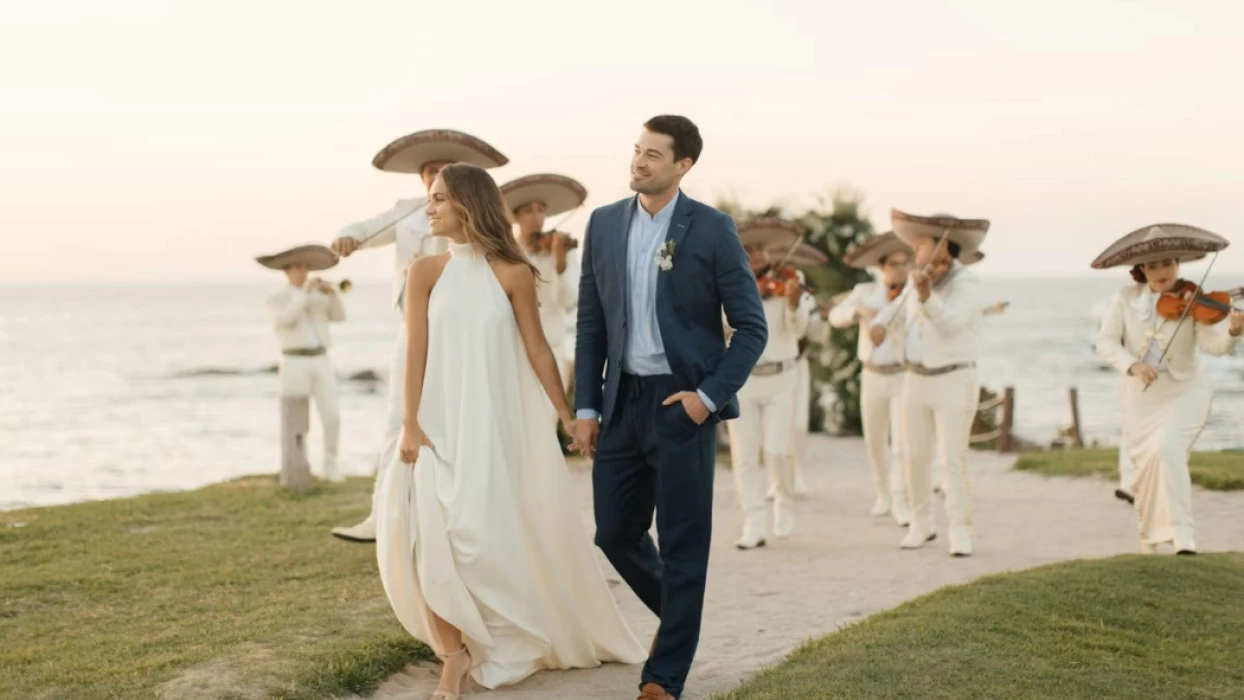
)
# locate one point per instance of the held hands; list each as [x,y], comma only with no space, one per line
[691,403]
[344,246]
[585,432]
[1146,373]
[413,438]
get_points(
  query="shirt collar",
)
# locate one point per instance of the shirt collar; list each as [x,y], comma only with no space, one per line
[661,217]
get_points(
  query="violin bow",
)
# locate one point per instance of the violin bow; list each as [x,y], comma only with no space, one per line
[1184,315]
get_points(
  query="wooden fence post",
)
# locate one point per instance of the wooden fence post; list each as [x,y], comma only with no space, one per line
[295,424]
[1076,435]
[1006,439]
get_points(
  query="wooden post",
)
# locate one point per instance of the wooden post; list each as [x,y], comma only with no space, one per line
[1006,440]
[1076,435]
[295,424]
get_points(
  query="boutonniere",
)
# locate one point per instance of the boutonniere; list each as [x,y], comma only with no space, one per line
[665,257]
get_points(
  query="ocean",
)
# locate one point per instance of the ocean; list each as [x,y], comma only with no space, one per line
[111,391]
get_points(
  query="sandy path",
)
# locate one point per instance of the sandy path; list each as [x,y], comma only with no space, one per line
[842,565]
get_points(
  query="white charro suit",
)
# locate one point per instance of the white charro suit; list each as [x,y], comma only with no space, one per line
[1161,424]
[301,320]
[881,393]
[405,226]
[762,432]
[940,398]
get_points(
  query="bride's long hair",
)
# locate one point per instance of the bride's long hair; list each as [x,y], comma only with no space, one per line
[474,195]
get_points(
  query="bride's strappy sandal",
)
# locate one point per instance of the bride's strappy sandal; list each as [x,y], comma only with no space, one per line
[466,670]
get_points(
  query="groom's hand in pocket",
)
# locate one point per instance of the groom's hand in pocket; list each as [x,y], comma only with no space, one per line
[692,404]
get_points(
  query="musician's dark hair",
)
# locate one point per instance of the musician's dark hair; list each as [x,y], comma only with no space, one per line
[1138,274]
[954,249]
[686,135]
[881,262]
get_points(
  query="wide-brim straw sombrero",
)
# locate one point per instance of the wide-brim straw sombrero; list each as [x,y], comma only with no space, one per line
[1160,242]
[315,257]
[770,232]
[969,234]
[804,254]
[559,193]
[411,152]
[870,252]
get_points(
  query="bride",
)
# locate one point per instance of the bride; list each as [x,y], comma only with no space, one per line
[481,549]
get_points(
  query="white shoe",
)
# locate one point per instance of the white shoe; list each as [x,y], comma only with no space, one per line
[363,532]
[783,520]
[1148,548]
[917,538]
[880,507]
[960,541]
[334,477]
[901,515]
[753,536]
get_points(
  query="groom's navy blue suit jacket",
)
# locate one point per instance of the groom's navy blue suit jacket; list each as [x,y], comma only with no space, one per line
[710,273]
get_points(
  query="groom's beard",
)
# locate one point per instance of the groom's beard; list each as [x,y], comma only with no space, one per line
[651,186]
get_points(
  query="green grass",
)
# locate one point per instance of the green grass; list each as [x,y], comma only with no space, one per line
[1128,627]
[1219,471]
[233,591]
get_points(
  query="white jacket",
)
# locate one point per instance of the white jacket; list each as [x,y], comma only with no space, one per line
[865,295]
[948,324]
[405,224]
[1131,322]
[301,318]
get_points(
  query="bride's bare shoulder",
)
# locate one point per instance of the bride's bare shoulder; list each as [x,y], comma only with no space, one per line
[426,269]
[513,275]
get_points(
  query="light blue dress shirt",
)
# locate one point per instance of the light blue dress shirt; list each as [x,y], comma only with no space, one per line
[644,354]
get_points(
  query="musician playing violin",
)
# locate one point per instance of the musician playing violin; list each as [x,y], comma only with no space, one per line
[762,434]
[1151,335]
[882,379]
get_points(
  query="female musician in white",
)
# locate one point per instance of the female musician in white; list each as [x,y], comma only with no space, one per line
[883,376]
[531,200]
[480,544]
[1167,394]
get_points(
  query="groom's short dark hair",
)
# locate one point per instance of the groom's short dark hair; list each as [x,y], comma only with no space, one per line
[686,135]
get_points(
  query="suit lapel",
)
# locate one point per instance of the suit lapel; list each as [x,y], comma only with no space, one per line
[621,249]
[680,223]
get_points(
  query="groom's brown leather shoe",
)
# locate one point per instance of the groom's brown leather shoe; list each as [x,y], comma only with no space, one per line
[652,691]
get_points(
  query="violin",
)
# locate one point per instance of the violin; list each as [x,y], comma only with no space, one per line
[776,280]
[1186,298]
[892,292]
[543,242]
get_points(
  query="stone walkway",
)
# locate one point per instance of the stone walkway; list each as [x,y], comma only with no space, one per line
[842,565]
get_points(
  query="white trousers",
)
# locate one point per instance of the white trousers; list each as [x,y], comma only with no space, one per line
[762,433]
[1162,425]
[799,418]
[314,378]
[881,409]
[937,414]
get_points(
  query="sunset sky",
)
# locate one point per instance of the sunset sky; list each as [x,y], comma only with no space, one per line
[159,141]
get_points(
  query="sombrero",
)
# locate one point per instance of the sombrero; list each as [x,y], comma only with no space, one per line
[804,254]
[411,152]
[315,257]
[1160,242]
[559,193]
[967,233]
[872,250]
[769,231]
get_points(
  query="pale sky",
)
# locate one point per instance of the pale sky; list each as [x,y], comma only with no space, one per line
[150,140]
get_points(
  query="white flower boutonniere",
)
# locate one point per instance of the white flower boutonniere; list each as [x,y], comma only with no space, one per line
[665,257]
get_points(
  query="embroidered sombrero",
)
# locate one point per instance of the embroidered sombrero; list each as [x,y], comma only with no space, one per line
[559,193]
[1160,242]
[967,233]
[804,254]
[769,231]
[315,257]
[411,152]
[872,250]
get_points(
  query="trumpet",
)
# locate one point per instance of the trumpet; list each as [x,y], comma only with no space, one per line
[343,285]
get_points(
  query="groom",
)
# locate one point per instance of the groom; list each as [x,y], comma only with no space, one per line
[658,270]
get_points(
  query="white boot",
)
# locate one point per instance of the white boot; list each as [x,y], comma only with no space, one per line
[753,535]
[363,532]
[331,473]
[917,537]
[898,509]
[1148,548]
[960,541]
[783,519]
[880,507]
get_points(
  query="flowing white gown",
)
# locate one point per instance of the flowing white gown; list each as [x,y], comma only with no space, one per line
[488,534]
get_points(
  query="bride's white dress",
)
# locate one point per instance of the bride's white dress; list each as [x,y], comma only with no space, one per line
[488,534]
